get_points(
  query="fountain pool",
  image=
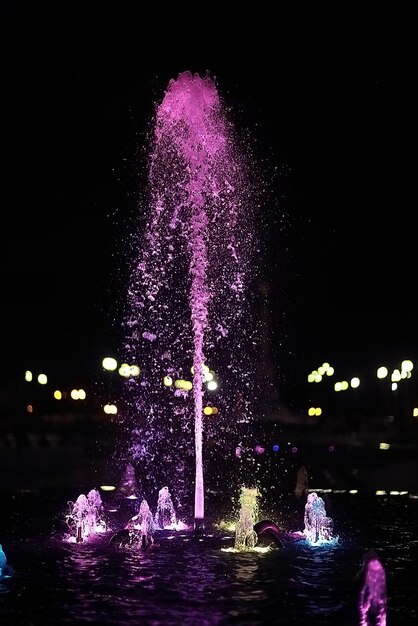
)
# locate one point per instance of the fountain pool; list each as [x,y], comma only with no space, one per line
[191,580]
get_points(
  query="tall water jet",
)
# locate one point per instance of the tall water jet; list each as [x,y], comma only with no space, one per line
[189,301]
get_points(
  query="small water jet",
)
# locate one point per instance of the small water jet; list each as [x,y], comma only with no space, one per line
[373,599]
[245,535]
[85,517]
[165,515]
[143,524]
[318,527]
[252,535]
[3,561]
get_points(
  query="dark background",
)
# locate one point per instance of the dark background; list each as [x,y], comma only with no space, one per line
[330,100]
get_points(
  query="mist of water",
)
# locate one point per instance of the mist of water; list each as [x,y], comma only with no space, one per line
[188,317]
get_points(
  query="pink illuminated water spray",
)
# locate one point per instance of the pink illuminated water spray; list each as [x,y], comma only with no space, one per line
[188,299]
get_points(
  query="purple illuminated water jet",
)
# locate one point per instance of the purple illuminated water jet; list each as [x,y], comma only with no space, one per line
[373,599]
[189,305]
[85,517]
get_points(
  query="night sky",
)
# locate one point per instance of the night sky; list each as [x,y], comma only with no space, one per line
[334,125]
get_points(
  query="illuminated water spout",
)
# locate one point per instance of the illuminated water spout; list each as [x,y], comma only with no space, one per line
[84,517]
[245,535]
[188,298]
[318,527]
[3,561]
[144,524]
[372,601]
[165,515]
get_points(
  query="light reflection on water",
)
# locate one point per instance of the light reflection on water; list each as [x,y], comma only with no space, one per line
[188,582]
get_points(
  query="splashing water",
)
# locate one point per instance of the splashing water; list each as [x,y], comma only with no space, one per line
[143,522]
[3,560]
[84,518]
[318,527]
[245,535]
[373,600]
[188,301]
[165,515]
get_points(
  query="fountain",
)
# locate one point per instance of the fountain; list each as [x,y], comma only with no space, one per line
[85,517]
[250,534]
[3,561]
[144,523]
[165,515]
[245,535]
[372,601]
[189,300]
[318,527]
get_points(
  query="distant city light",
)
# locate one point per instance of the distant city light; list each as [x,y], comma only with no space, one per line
[183,384]
[78,394]
[57,394]
[382,372]
[407,366]
[316,376]
[384,446]
[28,376]
[396,376]
[341,386]
[126,371]
[168,381]
[110,409]
[212,385]
[109,363]
[107,487]
[314,411]
[355,382]
[42,379]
